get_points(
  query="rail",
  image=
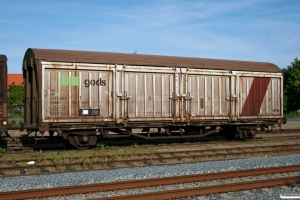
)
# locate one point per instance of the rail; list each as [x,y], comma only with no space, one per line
[70,190]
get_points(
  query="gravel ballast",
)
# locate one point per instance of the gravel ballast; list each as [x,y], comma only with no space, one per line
[135,173]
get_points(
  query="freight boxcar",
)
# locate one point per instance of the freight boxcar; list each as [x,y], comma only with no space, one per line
[81,94]
[3,95]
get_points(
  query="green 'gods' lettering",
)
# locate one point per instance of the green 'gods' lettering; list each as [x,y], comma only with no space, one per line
[69,81]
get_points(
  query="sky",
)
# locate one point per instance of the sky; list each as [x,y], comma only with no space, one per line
[250,30]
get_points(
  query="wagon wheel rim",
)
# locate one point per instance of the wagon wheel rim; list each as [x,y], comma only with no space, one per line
[75,141]
[249,134]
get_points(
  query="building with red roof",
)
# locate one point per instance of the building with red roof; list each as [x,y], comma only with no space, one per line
[15,79]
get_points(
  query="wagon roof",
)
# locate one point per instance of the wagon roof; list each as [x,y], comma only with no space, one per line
[3,58]
[147,60]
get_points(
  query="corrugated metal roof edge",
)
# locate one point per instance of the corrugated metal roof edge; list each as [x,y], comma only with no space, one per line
[143,59]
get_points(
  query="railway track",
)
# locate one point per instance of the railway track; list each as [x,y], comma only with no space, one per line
[95,191]
[195,144]
[279,131]
[103,161]
[48,143]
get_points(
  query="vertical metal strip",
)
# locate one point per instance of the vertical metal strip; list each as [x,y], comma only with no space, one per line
[109,84]
[70,96]
[136,95]
[273,99]
[267,102]
[247,92]
[238,95]
[124,89]
[145,96]
[48,92]
[198,94]
[117,101]
[100,99]
[90,92]
[280,105]
[2,88]
[58,89]
[188,95]
[153,85]
[112,89]
[162,94]
[228,80]
[277,97]
[241,95]
[191,105]
[281,96]
[171,95]
[212,96]
[205,96]
[254,85]
[79,90]
[220,97]
[126,94]
[261,82]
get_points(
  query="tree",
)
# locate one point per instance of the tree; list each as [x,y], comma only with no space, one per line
[292,85]
[15,99]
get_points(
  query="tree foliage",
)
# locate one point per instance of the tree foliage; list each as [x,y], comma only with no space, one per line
[292,85]
[15,98]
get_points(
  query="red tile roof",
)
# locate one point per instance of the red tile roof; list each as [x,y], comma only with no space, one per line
[16,79]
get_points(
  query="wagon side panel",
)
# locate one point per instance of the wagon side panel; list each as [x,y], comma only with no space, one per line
[209,96]
[260,97]
[148,95]
[77,93]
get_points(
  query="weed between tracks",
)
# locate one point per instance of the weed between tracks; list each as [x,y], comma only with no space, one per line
[101,156]
[3,154]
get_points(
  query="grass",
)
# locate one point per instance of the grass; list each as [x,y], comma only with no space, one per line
[16,119]
[292,115]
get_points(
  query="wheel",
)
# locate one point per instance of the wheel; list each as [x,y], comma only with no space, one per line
[249,134]
[82,142]
[284,120]
[269,129]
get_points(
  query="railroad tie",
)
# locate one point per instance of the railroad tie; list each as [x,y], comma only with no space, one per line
[97,196]
[286,188]
[167,187]
[120,192]
[226,181]
[245,179]
[144,190]
[189,185]
[267,190]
